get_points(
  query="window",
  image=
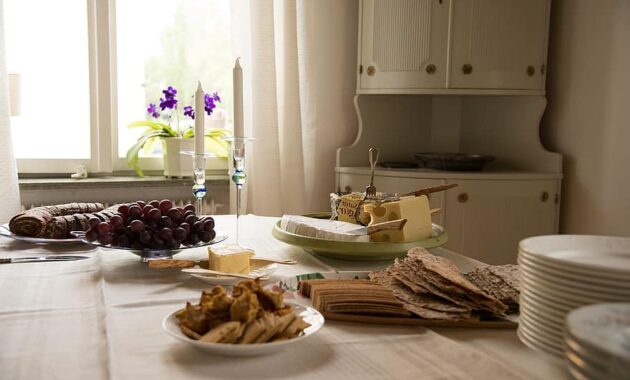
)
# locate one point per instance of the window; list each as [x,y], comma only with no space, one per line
[99,64]
[53,72]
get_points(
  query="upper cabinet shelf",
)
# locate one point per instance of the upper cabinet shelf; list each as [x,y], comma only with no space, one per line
[453,46]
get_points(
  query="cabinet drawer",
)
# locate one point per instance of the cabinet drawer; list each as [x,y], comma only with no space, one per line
[486,220]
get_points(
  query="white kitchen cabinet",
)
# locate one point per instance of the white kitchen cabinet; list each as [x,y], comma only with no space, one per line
[453,46]
[486,215]
[498,44]
[487,219]
[403,43]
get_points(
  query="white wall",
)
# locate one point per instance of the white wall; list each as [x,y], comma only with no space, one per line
[588,113]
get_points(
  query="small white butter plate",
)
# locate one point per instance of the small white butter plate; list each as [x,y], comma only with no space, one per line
[308,314]
[263,271]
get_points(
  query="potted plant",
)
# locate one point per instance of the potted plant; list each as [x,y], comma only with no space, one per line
[176,139]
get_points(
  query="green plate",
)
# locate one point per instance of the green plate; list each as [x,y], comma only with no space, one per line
[357,251]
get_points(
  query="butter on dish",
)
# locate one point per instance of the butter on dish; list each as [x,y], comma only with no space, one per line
[230,259]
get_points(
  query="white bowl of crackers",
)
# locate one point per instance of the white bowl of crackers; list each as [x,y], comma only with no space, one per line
[251,321]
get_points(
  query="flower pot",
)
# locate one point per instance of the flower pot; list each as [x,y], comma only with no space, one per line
[176,164]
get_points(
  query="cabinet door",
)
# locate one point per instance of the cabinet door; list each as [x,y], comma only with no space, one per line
[499,44]
[358,182]
[486,220]
[403,44]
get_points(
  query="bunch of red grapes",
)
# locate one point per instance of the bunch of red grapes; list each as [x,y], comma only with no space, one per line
[153,225]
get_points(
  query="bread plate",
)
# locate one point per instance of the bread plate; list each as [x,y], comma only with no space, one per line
[308,314]
[5,231]
[357,251]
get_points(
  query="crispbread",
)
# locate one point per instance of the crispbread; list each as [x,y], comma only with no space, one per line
[496,281]
[443,273]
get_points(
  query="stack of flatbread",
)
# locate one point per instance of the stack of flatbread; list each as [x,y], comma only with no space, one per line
[500,281]
[362,297]
[422,285]
[433,287]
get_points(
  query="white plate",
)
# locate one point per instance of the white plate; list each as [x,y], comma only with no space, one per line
[224,280]
[605,327]
[542,308]
[5,231]
[602,295]
[548,338]
[551,321]
[542,329]
[609,256]
[561,274]
[576,286]
[565,300]
[537,345]
[309,314]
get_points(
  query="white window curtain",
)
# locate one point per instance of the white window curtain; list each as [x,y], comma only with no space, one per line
[10,194]
[299,60]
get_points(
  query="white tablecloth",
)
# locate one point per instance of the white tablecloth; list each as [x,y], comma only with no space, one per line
[100,318]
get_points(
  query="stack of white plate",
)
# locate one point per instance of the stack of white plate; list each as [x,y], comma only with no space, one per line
[598,341]
[560,273]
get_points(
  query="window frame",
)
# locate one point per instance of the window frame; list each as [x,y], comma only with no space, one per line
[103,90]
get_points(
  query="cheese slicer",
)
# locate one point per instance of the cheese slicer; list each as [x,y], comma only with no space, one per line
[397,224]
[200,271]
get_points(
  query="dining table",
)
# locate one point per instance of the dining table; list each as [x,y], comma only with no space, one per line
[101,318]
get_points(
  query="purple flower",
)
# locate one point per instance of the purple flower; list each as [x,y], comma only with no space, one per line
[216,97]
[189,111]
[153,111]
[170,92]
[209,105]
[169,100]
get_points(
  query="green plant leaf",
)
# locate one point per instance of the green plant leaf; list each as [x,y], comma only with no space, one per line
[132,153]
[213,141]
[153,125]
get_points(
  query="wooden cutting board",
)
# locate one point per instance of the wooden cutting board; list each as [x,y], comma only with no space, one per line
[417,321]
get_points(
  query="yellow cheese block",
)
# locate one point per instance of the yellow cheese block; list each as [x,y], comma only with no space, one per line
[415,209]
[230,259]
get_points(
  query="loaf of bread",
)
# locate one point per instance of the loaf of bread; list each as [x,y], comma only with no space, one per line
[56,222]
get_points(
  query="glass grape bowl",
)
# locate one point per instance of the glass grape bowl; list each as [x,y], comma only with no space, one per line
[147,254]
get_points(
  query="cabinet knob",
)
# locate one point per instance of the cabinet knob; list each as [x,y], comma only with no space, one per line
[467,69]
[462,198]
[531,71]
[371,70]
[430,69]
[544,197]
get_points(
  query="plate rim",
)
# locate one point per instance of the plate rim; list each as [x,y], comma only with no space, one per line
[220,237]
[570,276]
[245,349]
[532,246]
[355,250]
[572,290]
[6,231]
[594,272]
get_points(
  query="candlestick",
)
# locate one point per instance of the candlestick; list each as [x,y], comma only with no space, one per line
[238,172]
[199,120]
[199,177]
[237,76]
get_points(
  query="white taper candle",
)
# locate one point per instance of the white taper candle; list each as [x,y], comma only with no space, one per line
[239,130]
[199,119]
